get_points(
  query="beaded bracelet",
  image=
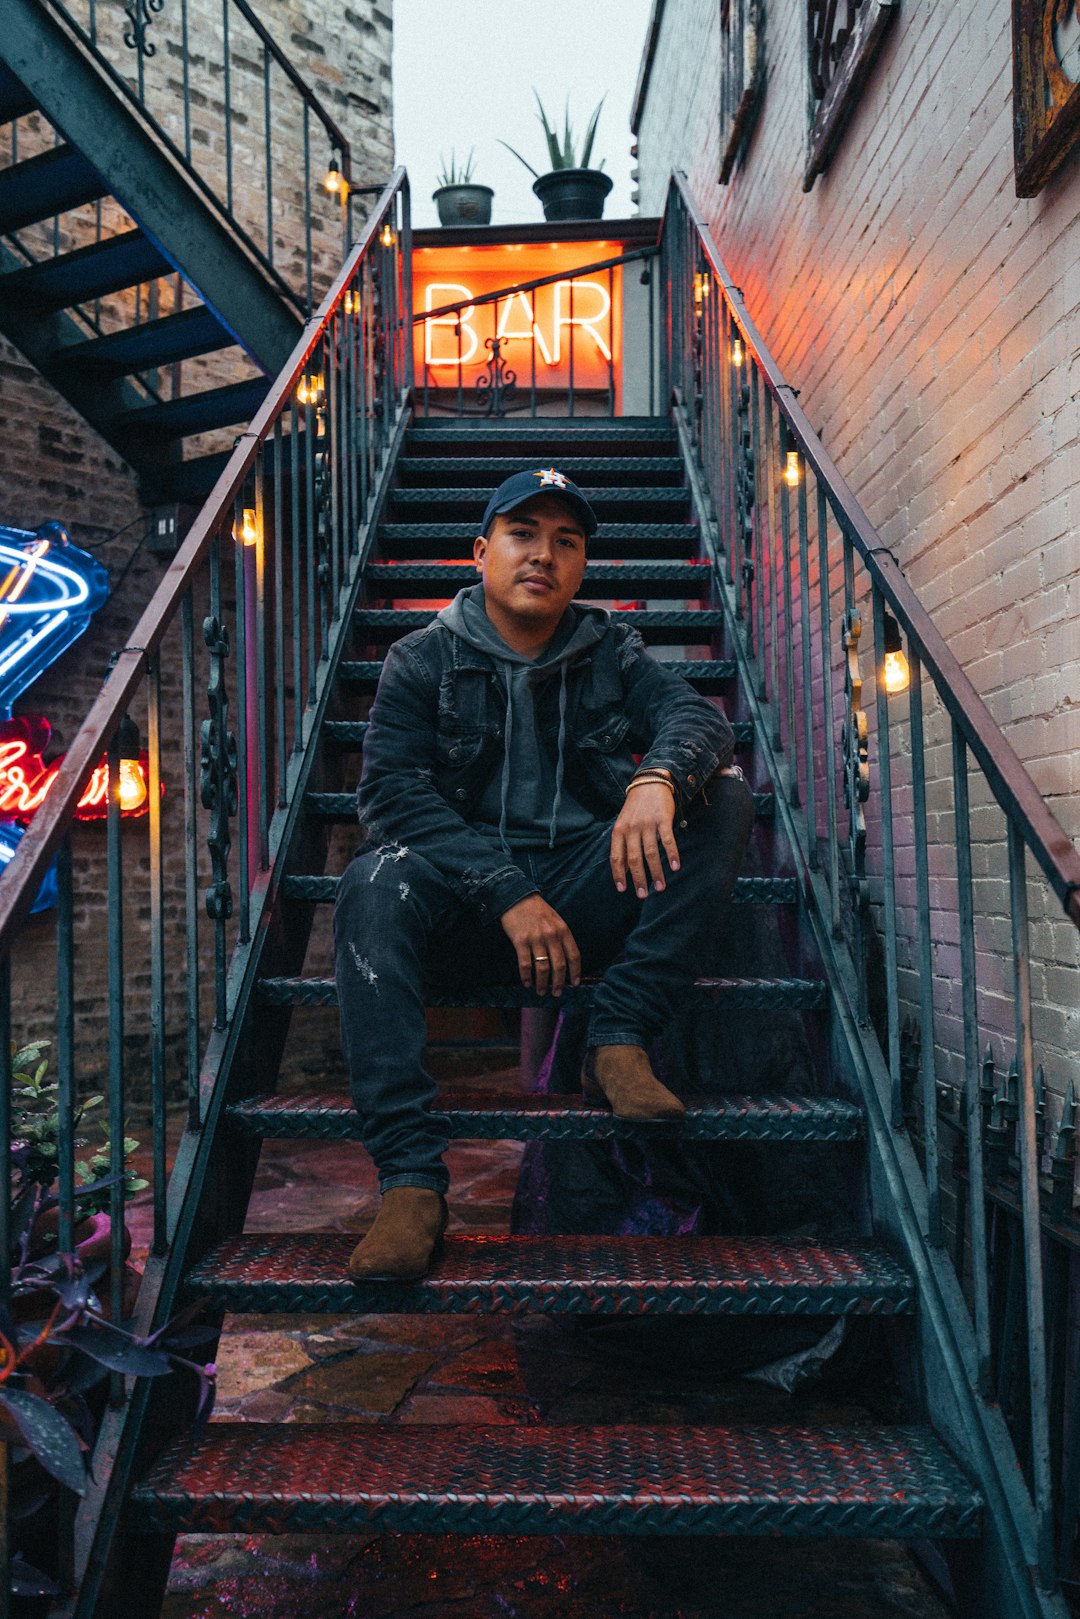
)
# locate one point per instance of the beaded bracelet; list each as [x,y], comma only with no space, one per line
[651,778]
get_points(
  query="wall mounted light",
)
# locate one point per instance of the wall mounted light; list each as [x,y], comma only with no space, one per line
[895,673]
[792,469]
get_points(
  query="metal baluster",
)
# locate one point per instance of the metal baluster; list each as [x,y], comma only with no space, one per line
[268,162]
[809,751]
[650,281]
[310,417]
[361,388]
[157,954]
[976,1177]
[297,592]
[322,500]
[1029,1197]
[280,742]
[532,353]
[789,627]
[262,718]
[570,412]
[772,480]
[330,448]
[185,58]
[351,420]
[65,1048]
[833,867]
[218,778]
[307,210]
[115,894]
[191,858]
[759,571]
[887,858]
[407,286]
[926,959]
[227,67]
[5,1268]
[243,735]
[723,386]
[611,341]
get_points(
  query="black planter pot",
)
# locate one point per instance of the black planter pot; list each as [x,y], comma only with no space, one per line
[573,193]
[463,205]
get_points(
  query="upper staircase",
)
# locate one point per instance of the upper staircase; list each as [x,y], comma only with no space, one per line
[125,278]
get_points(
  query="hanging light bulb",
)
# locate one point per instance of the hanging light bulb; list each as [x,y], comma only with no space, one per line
[351,302]
[895,673]
[387,236]
[701,289]
[333,176]
[738,354]
[249,528]
[309,390]
[131,789]
[792,470]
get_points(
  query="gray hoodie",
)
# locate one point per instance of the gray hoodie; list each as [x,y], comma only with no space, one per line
[526,804]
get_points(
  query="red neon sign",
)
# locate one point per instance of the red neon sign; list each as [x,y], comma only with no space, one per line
[26,780]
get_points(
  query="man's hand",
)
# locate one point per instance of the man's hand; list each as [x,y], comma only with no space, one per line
[644,827]
[546,952]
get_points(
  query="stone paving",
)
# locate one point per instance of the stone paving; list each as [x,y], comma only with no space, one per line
[529,1370]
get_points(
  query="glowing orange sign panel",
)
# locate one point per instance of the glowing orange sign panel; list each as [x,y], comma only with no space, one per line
[584,315]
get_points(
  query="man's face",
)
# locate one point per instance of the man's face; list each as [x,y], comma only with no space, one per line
[532,562]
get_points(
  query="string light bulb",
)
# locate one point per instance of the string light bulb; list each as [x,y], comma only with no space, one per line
[132,791]
[701,289]
[387,236]
[309,390]
[738,353]
[351,304]
[249,528]
[792,470]
[332,181]
[895,673]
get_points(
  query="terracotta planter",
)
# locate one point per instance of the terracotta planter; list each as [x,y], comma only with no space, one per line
[573,193]
[463,205]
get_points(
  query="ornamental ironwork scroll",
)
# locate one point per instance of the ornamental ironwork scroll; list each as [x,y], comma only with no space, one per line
[497,386]
[140,15]
[843,40]
[742,74]
[1046,89]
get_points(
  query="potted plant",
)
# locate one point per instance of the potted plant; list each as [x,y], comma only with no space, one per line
[571,189]
[459,200]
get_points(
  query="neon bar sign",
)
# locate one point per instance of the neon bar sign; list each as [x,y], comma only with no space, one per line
[591,313]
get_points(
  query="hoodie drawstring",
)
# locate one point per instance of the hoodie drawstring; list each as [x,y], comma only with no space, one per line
[504,796]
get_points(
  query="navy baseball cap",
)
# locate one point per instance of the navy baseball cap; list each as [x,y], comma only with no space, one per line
[521,486]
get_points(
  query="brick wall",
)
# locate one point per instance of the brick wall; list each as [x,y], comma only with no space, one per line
[928,318]
[53,465]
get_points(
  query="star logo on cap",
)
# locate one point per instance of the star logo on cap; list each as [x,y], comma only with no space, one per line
[549,476]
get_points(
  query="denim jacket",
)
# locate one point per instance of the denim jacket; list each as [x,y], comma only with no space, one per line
[434,741]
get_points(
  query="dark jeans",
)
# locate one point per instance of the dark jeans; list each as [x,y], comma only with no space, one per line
[399,932]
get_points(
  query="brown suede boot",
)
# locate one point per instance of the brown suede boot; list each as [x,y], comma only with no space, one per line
[406,1236]
[622,1078]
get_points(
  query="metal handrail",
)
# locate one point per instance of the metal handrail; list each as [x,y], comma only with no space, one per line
[753,457]
[1045,837]
[25,871]
[530,286]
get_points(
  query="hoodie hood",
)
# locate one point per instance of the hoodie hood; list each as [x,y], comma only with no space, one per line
[522,783]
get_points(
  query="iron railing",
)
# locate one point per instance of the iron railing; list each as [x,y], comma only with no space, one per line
[924,895]
[254,610]
[254,115]
[479,380]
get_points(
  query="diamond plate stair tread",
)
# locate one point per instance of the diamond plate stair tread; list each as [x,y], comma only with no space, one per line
[254,1478]
[541,434]
[600,494]
[745,994]
[748,890]
[476,1116]
[582,1275]
[707,675]
[340,807]
[182,336]
[478,467]
[199,412]
[670,627]
[350,733]
[88,272]
[612,542]
[681,580]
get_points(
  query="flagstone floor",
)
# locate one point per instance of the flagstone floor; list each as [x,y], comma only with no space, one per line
[460,1370]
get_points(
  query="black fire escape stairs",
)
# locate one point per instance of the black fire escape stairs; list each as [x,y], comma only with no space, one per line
[107,147]
[883,1472]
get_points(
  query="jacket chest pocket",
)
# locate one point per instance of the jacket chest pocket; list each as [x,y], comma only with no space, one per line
[456,750]
[602,730]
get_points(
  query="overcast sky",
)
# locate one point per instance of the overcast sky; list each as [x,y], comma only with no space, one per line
[464,73]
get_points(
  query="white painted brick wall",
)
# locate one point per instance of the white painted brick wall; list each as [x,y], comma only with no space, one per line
[929,319]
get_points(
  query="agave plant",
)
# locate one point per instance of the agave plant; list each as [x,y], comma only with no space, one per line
[564,155]
[449,173]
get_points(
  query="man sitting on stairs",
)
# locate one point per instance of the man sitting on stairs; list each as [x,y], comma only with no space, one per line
[512,837]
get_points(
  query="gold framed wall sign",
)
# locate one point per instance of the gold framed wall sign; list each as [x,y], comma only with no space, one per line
[742,72]
[1046,88]
[843,38]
